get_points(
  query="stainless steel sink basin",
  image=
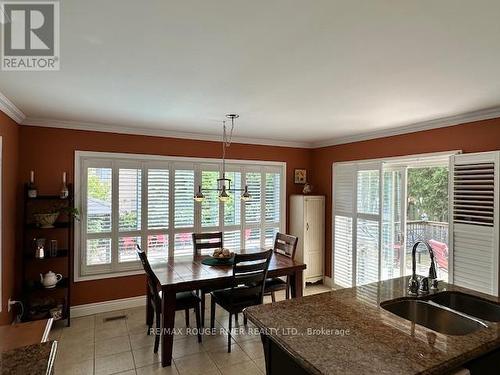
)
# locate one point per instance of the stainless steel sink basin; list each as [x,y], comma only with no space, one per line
[433,317]
[469,305]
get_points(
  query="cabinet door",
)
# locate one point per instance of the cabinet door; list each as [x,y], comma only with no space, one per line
[314,232]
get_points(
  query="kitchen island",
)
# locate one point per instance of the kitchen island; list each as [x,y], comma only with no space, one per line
[347,332]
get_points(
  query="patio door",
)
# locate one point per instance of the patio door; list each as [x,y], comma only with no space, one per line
[393,222]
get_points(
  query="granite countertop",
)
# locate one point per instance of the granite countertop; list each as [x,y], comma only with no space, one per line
[37,359]
[347,332]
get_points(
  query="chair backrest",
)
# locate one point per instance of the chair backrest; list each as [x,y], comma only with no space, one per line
[285,244]
[249,275]
[206,241]
[152,280]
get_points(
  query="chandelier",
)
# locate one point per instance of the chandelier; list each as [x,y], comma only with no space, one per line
[223,183]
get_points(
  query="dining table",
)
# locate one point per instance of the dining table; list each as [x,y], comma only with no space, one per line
[187,273]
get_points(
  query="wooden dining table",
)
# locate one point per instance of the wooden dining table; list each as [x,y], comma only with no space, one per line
[187,273]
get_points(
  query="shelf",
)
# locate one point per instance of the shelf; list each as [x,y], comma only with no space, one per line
[59,225]
[38,287]
[47,197]
[62,253]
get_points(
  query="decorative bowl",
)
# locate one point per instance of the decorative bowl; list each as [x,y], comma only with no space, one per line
[46,220]
[222,254]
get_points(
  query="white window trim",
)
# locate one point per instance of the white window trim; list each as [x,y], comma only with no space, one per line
[232,164]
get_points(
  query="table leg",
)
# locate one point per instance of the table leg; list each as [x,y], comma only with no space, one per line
[167,327]
[296,283]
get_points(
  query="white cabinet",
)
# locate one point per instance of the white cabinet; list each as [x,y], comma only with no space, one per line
[307,222]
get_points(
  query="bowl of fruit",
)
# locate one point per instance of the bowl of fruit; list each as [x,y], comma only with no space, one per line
[222,253]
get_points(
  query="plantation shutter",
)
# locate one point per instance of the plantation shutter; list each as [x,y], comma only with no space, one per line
[367,223]
[183,198]
[474,208]
[343,211]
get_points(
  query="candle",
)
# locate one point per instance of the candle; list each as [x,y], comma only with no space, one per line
[32,176]
[64,177]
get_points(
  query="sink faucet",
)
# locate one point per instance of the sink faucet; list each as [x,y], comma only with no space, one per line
[414,286]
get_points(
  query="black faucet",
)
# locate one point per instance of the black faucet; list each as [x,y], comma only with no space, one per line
[414,286]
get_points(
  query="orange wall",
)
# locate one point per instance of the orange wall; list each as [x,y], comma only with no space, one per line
[9,131]
[50,151]
[472,137]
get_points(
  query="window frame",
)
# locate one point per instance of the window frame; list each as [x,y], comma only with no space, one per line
[85,159]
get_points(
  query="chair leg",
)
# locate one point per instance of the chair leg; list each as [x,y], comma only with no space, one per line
[202,309]
[235,318]
[186,312]
[212,313]
[245,320]
[229,333]
[198,322]
[150,317]
[273,297]
[158,327]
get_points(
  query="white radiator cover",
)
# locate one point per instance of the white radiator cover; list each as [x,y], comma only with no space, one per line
[474,221]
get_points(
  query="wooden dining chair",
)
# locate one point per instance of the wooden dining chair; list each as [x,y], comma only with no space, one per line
[204,244]
[286,245]
[183,300]
[247,287]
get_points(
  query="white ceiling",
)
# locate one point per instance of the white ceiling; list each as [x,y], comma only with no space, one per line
[295,70]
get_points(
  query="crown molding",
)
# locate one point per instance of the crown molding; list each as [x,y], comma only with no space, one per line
[484,114]
[10,109]
[106,128]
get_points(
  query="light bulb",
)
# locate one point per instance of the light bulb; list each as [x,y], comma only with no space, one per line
[223,196]
[246,195]
[199,197]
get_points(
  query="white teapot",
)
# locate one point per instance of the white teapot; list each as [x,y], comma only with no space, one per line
[50,279]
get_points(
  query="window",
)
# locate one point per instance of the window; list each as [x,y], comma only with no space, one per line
[129,200]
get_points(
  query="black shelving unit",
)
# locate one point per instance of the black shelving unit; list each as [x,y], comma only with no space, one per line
[38,299]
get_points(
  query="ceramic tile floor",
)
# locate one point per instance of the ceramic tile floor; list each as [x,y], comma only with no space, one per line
[94,346]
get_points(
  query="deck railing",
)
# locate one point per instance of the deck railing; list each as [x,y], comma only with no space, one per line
[425,230]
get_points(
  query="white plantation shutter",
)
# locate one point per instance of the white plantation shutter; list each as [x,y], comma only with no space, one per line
[253,206]
[343,211]
[210,206]
[474,231]
[356,210]
[158,197]
[183,198]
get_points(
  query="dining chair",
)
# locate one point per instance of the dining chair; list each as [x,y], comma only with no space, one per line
[247,287]
[203,244]
[286,245]
[183,300]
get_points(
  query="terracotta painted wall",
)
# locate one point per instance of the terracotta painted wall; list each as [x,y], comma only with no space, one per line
[472,137]
[51,151]
[9,131]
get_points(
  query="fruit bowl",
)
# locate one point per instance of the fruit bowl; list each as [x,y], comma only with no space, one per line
[222,254]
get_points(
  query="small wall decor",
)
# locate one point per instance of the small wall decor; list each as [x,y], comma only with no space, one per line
[300,176]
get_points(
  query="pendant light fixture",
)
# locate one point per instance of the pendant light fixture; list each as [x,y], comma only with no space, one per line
[224,184]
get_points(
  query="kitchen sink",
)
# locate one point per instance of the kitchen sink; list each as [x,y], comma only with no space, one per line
[432,316]
[469,305]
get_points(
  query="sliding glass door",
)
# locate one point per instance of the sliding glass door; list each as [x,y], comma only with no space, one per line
[380,209]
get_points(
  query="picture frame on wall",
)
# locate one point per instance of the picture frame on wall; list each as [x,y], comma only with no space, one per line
[300,176]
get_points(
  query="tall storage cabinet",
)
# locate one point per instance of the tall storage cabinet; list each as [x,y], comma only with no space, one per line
[307,222]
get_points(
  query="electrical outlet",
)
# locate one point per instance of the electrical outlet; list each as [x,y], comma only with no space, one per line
[11,303]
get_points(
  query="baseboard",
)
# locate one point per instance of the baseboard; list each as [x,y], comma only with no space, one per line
[106,306]
[328,281]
